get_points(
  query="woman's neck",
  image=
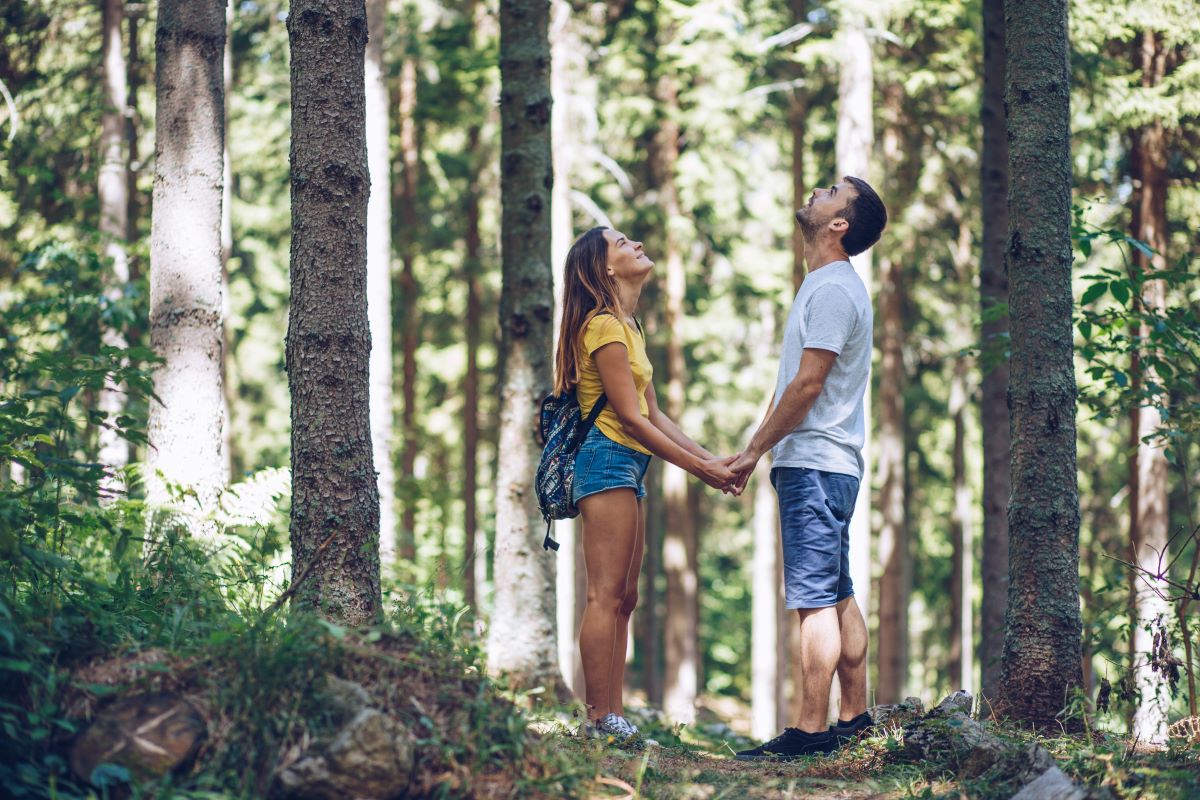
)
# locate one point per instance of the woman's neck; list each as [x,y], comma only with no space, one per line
[628,296]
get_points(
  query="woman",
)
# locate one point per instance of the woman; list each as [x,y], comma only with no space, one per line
[601,349]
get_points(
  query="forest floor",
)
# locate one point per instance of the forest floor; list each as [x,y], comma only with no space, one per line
[697,764]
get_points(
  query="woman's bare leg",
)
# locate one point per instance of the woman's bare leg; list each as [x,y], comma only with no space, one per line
[610,533]
[616,687]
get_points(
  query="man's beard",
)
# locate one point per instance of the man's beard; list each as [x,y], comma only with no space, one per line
[808,227]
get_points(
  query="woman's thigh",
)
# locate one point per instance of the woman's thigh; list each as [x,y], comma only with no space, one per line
[610,539]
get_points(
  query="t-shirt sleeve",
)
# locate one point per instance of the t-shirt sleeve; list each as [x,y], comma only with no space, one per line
[603,329]
[830,319]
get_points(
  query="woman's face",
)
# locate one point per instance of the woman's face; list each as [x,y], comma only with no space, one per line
[626,259]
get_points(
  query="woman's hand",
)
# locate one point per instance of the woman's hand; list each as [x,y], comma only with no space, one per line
[714,472]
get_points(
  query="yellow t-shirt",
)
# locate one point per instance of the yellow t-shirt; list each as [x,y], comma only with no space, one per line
[604,329]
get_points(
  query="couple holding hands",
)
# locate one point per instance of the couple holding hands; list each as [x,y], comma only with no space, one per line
[814,431]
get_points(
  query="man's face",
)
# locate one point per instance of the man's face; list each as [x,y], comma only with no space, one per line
[824,206]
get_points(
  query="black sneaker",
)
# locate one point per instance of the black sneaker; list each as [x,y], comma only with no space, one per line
[845,732]
[791,744]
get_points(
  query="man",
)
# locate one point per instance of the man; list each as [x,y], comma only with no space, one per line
[815,432]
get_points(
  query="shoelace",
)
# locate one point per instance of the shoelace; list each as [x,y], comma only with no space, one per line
[626,727]
[777,740]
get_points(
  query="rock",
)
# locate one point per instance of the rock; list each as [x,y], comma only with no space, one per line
[371,757]
[1053,784]
[897,714]
[958,703]
[149,734]
[344,699]
[955,740]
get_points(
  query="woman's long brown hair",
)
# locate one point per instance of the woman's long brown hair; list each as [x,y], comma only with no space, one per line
[588,290]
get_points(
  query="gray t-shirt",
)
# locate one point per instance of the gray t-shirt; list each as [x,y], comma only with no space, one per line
[832,311]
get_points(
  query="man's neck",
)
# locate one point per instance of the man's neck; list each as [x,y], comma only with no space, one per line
[821,254]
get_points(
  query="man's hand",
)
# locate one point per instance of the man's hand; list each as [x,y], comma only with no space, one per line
[742,466]
[715,473]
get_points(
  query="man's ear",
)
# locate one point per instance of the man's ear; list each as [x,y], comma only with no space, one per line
[838,225]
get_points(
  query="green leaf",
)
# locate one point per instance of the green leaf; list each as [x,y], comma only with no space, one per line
[1085,329]
[1120,378]
[12,665]
[1120,291]
[1094,292]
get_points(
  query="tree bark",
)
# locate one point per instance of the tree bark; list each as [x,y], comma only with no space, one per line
[186,429]
[410,156]
[228,390]
[1041,663]
[855,139]
[766,572]
[797,123]
[473,266]
[113,194]
[961,662]
[896,577]
[379,273]
[335,494]
[1148,491]
[522,640]
[993,301]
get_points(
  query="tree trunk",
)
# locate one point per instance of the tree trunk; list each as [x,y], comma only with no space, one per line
[564,47]
[473,553]
[855,138]
[1041,663]
[335,494]
[961,662]
[379,274]
[186,429]
[410,157]
[228,390]
[766,572]
[522,640]
[896,576]
[798,122]
[649,624]
[1148,494]
[132,70]
[679,541]
[113,194]
[993,301]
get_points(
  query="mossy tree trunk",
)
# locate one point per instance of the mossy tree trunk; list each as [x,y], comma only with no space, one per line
[186,429]
[335,495]
[993,301]
[1042,648]
[522,640]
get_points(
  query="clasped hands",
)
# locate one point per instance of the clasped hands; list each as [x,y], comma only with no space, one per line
[729,473]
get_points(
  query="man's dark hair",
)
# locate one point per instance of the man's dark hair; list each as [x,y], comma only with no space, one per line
[866,216]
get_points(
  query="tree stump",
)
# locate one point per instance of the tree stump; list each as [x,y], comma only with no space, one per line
[149,734]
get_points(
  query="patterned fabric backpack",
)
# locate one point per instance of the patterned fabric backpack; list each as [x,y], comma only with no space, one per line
[563,429]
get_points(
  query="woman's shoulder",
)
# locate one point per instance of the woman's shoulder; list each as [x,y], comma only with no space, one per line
[603,328]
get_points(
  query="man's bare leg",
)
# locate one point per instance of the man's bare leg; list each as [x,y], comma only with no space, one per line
[820,651]
[852,665]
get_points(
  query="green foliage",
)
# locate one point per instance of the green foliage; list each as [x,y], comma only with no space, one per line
[1165,342]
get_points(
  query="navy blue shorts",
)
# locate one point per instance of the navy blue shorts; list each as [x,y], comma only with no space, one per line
[602,464]
[814,519]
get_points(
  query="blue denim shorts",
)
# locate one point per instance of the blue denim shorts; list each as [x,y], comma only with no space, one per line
[602,464]
[814,519]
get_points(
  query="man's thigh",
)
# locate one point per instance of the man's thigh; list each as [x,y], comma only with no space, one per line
[814,515]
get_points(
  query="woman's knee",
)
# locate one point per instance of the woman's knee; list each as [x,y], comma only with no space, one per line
[607,598]
[628,602]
